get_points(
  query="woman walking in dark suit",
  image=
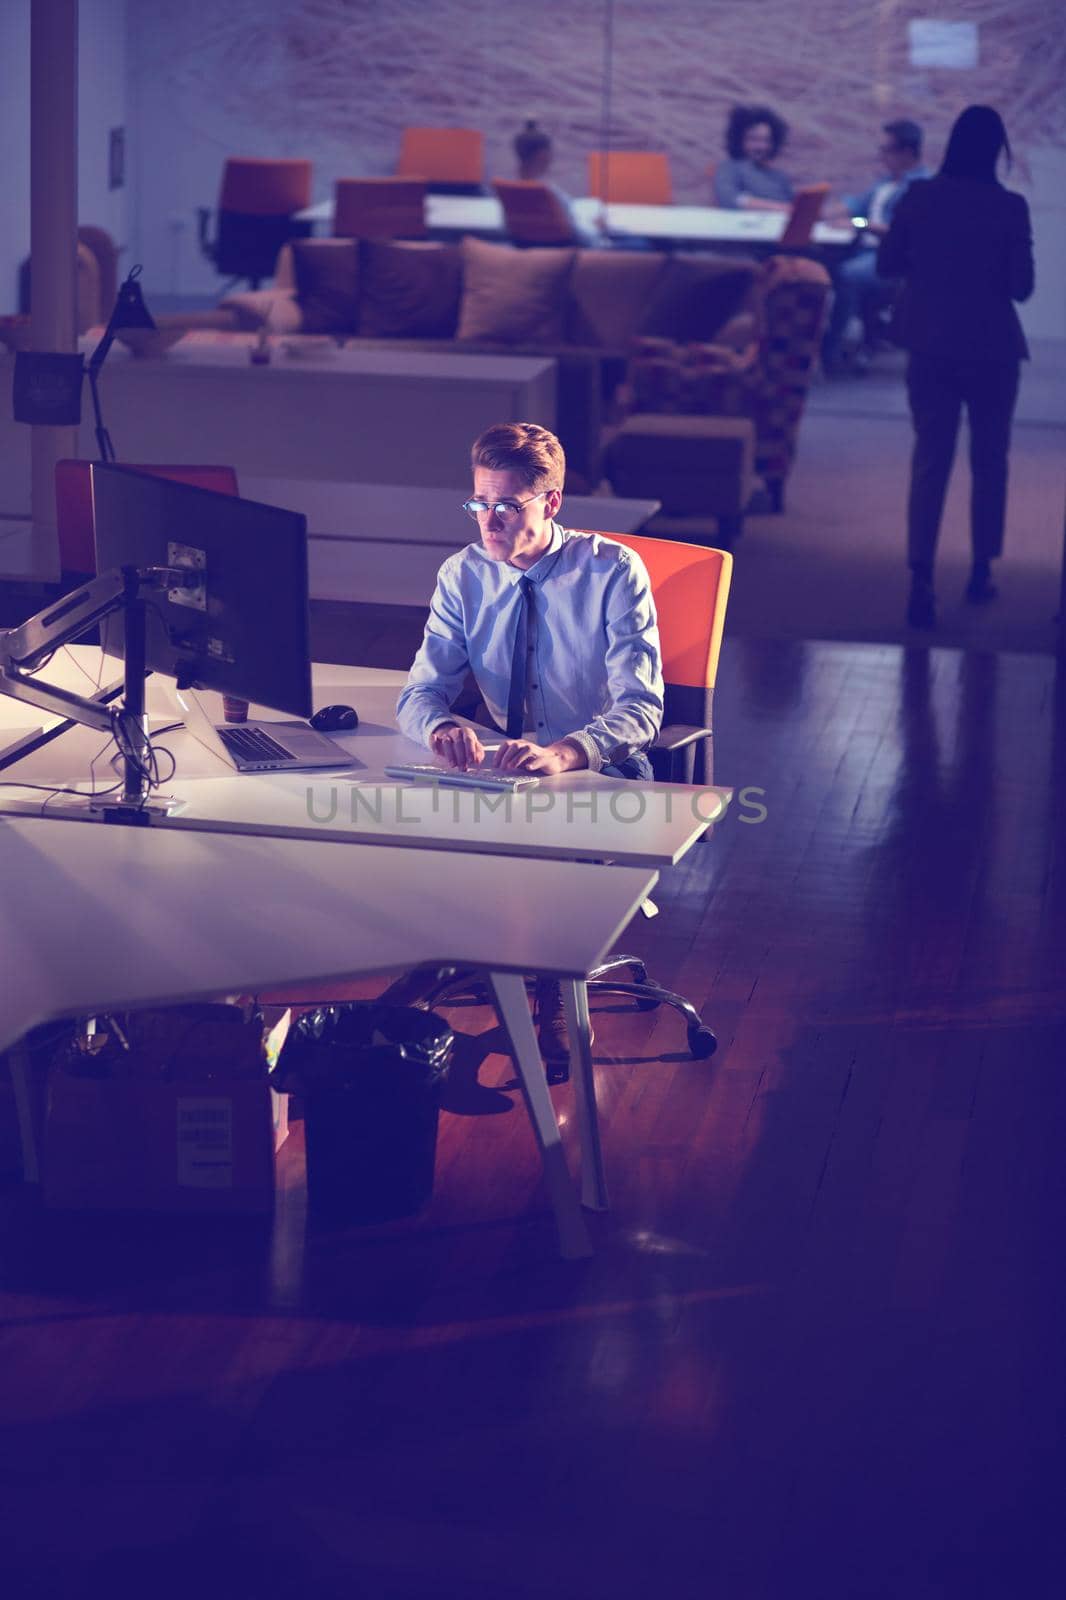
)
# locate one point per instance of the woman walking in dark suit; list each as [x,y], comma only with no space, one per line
[962,245]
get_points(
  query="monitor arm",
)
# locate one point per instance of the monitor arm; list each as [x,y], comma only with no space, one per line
[24,648]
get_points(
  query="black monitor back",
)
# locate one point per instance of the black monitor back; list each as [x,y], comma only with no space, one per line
[253,639]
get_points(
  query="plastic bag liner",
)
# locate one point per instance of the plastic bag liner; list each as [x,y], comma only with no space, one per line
[371,1076]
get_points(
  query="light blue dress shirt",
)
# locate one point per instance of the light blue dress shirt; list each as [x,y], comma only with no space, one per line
[594,666]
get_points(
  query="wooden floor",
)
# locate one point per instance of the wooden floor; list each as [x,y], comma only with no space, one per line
[819,1349]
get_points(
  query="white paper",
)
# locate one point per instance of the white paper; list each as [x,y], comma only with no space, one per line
[943,44]
[205,1143]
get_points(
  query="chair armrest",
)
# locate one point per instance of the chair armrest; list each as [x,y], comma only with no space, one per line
[683,753]
[680,734]
[207,245]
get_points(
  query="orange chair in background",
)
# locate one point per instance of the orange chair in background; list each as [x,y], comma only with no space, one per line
[255,215]
[74,505]
[533,213]
[806,209]
[451,160]
[631,177]
[379,208]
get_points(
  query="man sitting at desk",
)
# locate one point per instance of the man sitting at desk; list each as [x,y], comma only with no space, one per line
[856,284]
[558,628]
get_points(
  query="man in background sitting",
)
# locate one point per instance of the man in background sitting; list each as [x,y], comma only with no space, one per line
[856,285]
[533,152]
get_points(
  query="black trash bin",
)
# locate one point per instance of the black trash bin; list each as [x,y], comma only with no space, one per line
[370,1075]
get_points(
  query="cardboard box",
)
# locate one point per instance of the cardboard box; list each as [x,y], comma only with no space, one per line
[123,1145]
[179,1119]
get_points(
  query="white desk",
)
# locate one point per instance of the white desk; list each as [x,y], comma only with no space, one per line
[383,544]
[692,225]
[578,816]
[186,916]
[350,416]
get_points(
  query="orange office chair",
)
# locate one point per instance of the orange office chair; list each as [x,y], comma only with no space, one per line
[255,216]
[806,209]
[533,213]
[631,177]
[379,208]
[74,506]
[451,160]
[690,584]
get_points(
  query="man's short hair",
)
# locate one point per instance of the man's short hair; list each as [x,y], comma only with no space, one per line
[531,141]
[907,134]
[521,447]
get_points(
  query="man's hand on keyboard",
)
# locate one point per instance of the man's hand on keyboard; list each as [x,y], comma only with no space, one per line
[456,746]
[522,755]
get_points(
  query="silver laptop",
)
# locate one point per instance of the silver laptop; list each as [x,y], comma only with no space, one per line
[262,746]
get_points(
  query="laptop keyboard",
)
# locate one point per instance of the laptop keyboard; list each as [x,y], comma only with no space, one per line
[252,744]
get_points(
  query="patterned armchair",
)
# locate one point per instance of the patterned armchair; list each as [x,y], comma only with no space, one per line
[760,366]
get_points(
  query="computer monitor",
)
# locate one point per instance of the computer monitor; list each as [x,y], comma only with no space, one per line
[248,633]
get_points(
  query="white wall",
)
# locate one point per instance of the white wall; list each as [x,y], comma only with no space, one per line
[15,143]
[101,106]
[1044,316]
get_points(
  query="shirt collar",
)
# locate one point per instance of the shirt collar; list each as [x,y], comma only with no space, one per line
[543,565]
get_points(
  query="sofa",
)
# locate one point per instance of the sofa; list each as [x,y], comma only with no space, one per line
[762,376]
[582,307]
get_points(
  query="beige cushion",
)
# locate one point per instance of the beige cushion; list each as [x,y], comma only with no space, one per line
[327,284]
[696,295]
[609,292]
[408,289]
[513,296]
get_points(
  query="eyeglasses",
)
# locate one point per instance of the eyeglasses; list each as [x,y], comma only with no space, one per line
[504,509]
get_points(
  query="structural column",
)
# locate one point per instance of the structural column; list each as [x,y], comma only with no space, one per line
[53,238]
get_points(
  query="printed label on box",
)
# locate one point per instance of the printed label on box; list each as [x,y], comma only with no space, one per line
[205,1143]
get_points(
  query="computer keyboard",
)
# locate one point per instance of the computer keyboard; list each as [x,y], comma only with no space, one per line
[252,744]
[472,778]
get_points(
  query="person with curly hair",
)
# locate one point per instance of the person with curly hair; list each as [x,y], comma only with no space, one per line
[747,179]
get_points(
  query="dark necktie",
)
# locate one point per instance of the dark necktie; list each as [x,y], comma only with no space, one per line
[516,696]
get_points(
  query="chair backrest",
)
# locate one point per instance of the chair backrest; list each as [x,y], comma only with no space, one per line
[379,208]
[100,243]
[533,213]
[255,214]
[443,155]
[690,583]
[806,209]
[259,188]
[633,177]
[74,504]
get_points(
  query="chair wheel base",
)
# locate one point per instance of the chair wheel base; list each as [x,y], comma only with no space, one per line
[701,1043]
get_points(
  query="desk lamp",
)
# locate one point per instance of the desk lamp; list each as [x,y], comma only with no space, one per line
[47,386]
[129,311]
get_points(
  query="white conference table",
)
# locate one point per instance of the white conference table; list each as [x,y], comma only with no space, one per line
[577,816]
[383,543]
[675,224]
[148,917]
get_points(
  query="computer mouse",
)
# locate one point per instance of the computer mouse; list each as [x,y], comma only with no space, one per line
[335,719]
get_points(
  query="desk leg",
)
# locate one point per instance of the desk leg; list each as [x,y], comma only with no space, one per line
[593,1175]
[509,991]
[22,1085]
